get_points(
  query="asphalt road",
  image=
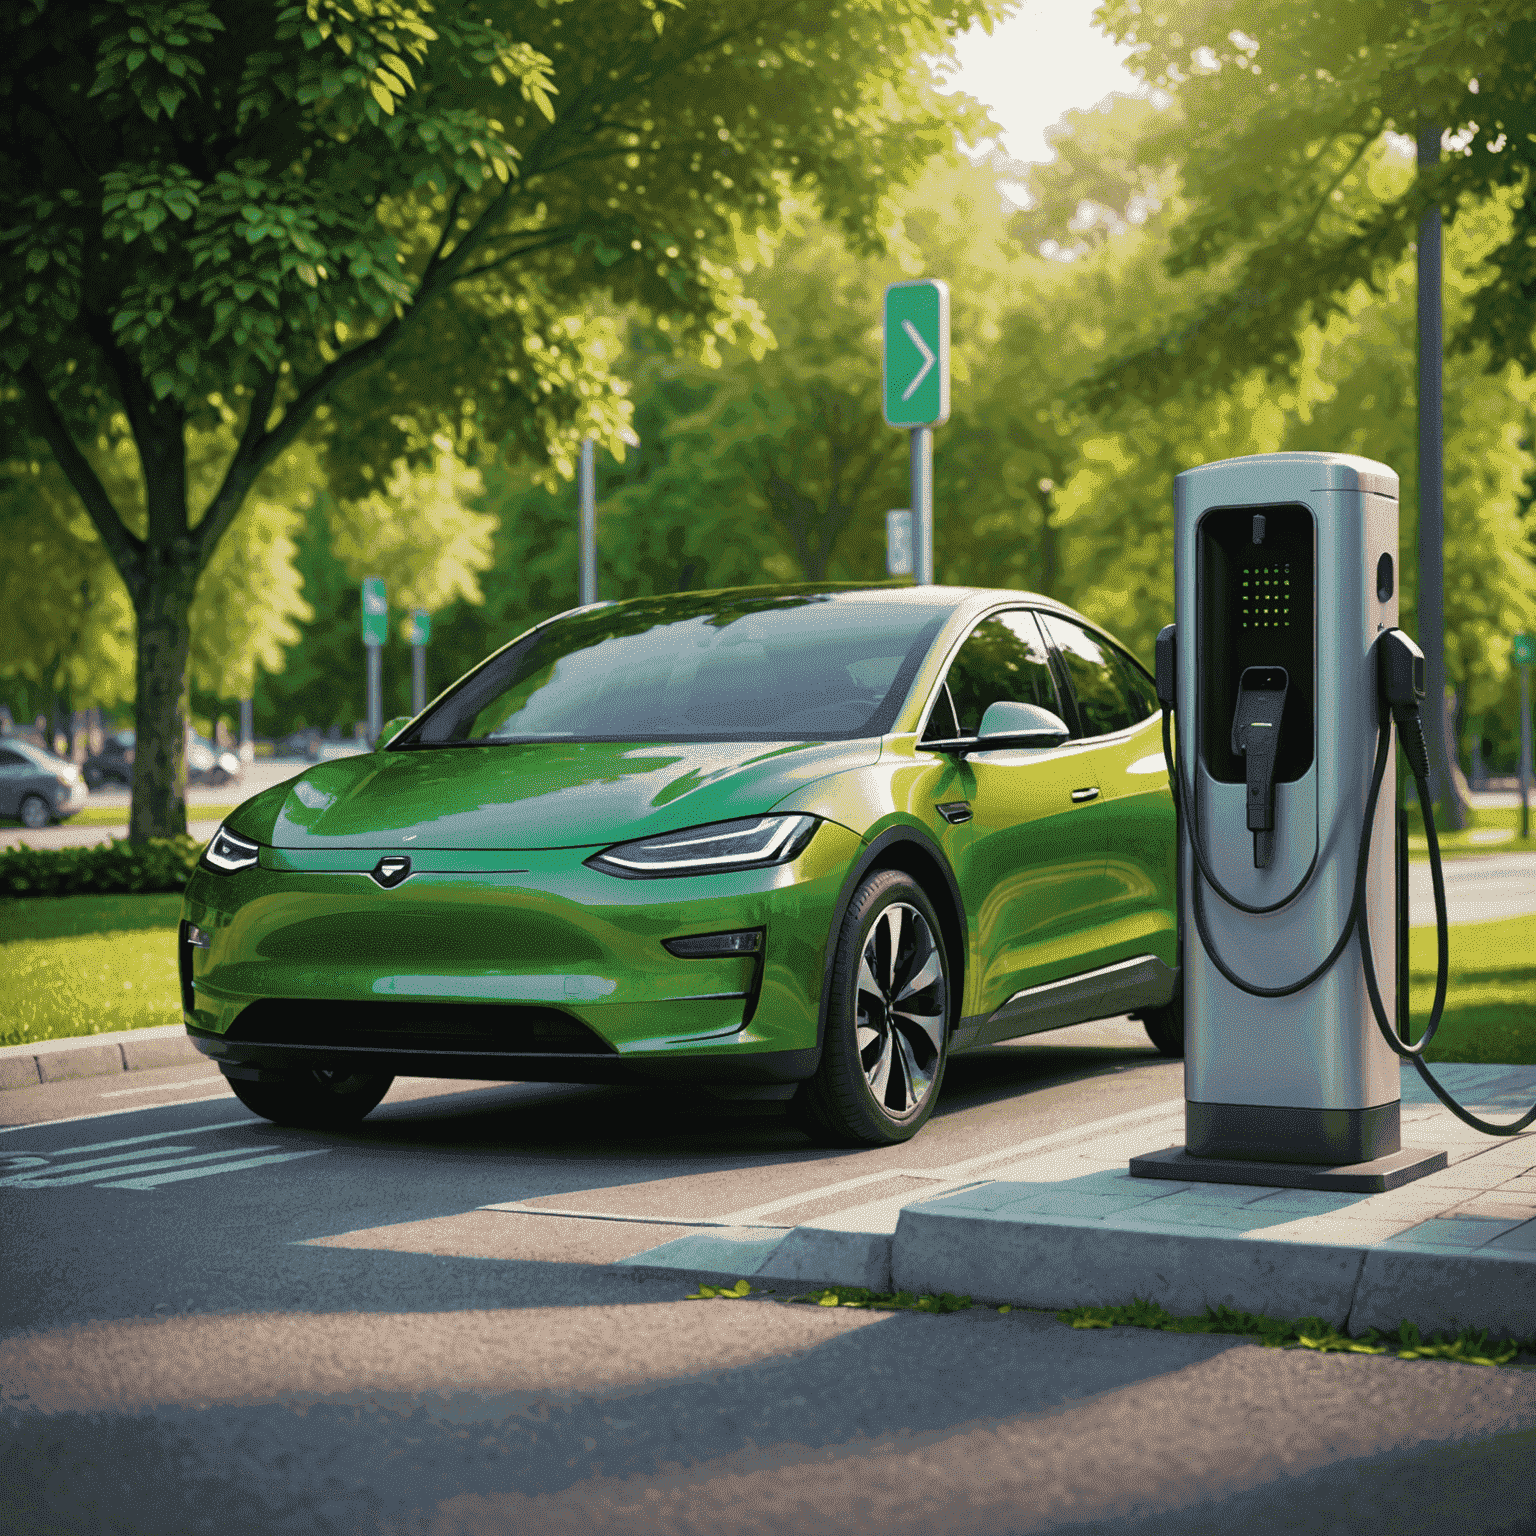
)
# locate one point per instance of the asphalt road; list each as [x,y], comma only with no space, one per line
[212,1324]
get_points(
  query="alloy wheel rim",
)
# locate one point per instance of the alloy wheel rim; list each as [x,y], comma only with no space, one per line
[901,1004]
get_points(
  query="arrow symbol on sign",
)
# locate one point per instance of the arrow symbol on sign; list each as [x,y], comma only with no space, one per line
[929,359]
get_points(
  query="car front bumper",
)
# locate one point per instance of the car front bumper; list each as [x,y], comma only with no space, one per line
[518,965]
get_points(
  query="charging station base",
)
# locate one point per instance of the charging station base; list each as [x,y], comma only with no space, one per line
[1372,1178]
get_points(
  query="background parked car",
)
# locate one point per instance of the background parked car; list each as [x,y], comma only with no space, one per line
[206,764]
[35,786]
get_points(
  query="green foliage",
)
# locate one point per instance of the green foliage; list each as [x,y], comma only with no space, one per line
[883,1301]
[160,864]
[1282,111]
[250,210]
[725,1292]
[1470,1346]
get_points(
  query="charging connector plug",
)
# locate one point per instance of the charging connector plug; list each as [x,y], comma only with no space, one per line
[1256,735]
[1400,676]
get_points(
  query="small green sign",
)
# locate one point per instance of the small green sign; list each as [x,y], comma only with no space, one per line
[375,611]
[917,354]
[419,630]
[1525,650]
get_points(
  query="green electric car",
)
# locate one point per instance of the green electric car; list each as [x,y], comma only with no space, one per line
[800,843]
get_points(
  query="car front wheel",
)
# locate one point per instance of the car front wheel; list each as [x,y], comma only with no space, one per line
[35,812]
[316,1100]
[886,1032]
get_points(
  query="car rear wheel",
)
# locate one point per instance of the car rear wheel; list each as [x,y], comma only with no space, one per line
[1165,1026]
[317,1100]
[886,1034]
[35,812]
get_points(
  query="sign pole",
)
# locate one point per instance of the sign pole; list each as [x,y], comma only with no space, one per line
[421,630]
[375,632]
[588,573]
[922,505]
[916,391]
[1525,751]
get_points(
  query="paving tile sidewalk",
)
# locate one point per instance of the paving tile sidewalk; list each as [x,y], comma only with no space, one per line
[1071,1227]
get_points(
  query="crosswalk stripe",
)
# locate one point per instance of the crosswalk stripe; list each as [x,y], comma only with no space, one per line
[133,1141]
[47,1178]
[89,1162]
[150,1181]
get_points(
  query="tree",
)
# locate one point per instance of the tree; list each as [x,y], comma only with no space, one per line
[254,209]
[1307,93]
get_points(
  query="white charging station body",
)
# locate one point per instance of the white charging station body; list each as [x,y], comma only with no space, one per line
[1307,1078]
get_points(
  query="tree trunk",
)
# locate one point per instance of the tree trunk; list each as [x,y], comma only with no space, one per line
[163,646]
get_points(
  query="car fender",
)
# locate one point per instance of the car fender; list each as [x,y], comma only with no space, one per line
[878,851]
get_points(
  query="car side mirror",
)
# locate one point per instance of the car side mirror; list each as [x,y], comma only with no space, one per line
[1009,724]
[392,728]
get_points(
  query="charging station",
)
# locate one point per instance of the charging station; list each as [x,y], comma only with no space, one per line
[1285,580]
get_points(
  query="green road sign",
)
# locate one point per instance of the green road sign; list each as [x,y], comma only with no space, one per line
[375,611]
[419,630]
[1525,650]
[917,354]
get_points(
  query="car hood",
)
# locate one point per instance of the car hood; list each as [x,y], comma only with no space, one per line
[535,795]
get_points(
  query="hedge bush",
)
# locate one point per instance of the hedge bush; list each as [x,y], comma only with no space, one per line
[161,864]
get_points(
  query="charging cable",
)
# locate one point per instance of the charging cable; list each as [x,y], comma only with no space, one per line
[1400,673]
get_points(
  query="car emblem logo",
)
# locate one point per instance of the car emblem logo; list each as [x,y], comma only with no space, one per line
[391,870]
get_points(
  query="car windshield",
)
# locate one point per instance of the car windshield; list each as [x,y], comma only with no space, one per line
[721,666]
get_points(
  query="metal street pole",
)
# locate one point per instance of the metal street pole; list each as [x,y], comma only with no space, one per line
[1431,602]
[418,679]
[1525,751]
[588,573]
[922,506]
[247,731]
[375,693]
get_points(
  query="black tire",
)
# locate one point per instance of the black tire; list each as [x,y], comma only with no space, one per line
[1165,1026]
[34,812]
[316,1100]
[882,1068]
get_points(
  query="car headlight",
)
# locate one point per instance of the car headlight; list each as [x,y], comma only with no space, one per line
[227,852]
[754,842]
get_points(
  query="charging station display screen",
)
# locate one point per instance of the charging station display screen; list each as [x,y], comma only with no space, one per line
[1255,592]
[1264,599]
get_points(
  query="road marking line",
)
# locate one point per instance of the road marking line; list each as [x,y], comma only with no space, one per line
[90,1162]
[54,1177]
[957,1173]
[106,1114]
[154,1179]
[517,1208]
[195,1082]
[943,1178]
[133,1141]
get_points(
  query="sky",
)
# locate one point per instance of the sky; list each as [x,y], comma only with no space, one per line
[1044,60]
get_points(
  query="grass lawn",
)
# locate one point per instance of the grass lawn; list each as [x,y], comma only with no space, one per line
[117,816]
[1490,1003]
[1491,829]
[88,965]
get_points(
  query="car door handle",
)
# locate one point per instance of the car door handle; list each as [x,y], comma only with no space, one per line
[955,812]
[1079,796]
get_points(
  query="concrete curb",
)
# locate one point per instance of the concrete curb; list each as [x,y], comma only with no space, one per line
[1067,1226]
[130,1050]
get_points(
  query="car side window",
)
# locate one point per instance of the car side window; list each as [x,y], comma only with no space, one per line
[1139,687]
[1103,697]
[1004,657]
[9,759]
